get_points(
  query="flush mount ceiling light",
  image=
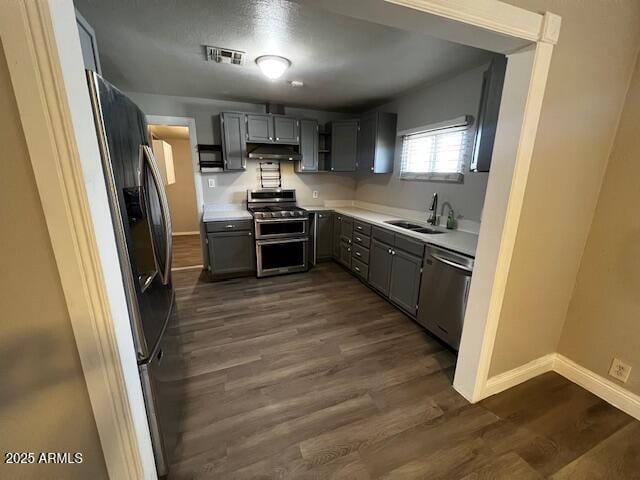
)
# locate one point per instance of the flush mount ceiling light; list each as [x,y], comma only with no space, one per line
[273,66]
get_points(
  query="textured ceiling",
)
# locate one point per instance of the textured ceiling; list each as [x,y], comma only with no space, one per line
[346,64]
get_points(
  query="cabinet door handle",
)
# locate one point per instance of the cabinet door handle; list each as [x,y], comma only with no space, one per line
[270,138]
[250,233]
[389,251]
[348,249]
[393,252]
[277,138]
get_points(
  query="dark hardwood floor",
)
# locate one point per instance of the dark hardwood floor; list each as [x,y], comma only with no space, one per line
[313,376]
[187,251]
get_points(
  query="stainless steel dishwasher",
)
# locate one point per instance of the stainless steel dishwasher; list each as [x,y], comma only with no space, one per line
[444,289]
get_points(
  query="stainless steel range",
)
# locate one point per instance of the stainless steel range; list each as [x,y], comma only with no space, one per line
[282,231]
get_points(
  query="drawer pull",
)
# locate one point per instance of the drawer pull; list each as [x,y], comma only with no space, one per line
[229,226]
[357,269]
[359,227]
[358,254]
[358,239]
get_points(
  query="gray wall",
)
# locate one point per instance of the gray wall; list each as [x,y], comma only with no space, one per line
[445,100]
[231,187]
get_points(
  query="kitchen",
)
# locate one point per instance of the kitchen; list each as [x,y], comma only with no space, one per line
[377,185]
[207,288]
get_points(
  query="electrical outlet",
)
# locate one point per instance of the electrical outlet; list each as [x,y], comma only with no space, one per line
[315,194]
[212,183]
[620,370]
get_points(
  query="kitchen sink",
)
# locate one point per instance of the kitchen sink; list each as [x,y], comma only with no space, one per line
[403,224]
[413,227]
[430,231]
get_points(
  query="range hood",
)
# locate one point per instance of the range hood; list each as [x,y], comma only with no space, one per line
[271,151]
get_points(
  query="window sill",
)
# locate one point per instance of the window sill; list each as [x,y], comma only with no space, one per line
[434,177]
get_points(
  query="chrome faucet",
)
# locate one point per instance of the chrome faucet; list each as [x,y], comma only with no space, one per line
[433,216]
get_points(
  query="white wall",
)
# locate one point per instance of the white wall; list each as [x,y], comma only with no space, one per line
[232,187]
[445,100]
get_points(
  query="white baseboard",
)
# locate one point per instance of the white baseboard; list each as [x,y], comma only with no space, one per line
[518,375]
[604,388]
[178,234]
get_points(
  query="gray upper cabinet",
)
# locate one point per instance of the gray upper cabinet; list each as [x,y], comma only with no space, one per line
[231,253]
[234,148]
[404,284]
[344,145]
[285,129]
[309,137]
[88,44]
[377,142]
[324,235]
[259,128]
[380,266]
[487,121]
[268,128]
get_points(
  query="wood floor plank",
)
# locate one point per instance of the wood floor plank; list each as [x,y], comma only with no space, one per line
[314,376]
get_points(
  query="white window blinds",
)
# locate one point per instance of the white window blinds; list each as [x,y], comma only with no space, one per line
[436,152]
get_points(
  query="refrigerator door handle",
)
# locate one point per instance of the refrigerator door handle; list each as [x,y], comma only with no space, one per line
[148,156]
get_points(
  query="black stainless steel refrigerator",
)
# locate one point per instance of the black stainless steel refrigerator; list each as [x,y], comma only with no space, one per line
[142,226]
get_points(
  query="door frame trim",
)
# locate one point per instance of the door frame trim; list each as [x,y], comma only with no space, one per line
[43,62]
[29,30]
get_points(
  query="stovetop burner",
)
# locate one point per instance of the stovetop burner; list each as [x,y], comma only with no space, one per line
[275,208]
[274,203]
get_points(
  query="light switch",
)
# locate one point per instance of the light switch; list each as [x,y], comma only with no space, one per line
[212,182]
[315,194]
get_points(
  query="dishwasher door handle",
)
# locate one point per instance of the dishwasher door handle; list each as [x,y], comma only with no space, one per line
[452,264]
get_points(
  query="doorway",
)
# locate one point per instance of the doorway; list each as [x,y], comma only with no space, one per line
[172,147]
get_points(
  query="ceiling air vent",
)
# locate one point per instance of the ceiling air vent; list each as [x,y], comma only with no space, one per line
[224,55]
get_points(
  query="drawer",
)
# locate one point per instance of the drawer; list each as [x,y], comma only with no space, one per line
[359,239]
[359,227]
[360,253]
[409,245]
[360,268]
[347,220]
[385,236]
[230,226]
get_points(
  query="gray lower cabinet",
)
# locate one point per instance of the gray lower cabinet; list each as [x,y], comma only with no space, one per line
[309,138]
[346,229]
[380,260]
[324,235]
[234,148]
[344,145]
[345,253]
[231,253]
[337,228]
[404,283]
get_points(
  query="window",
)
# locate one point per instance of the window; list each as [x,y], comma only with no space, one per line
[436,152]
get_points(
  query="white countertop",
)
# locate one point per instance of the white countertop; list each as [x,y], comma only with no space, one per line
[225,212]
[456,240]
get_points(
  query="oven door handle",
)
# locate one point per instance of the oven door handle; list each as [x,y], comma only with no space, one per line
[272,242]
[274,220]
